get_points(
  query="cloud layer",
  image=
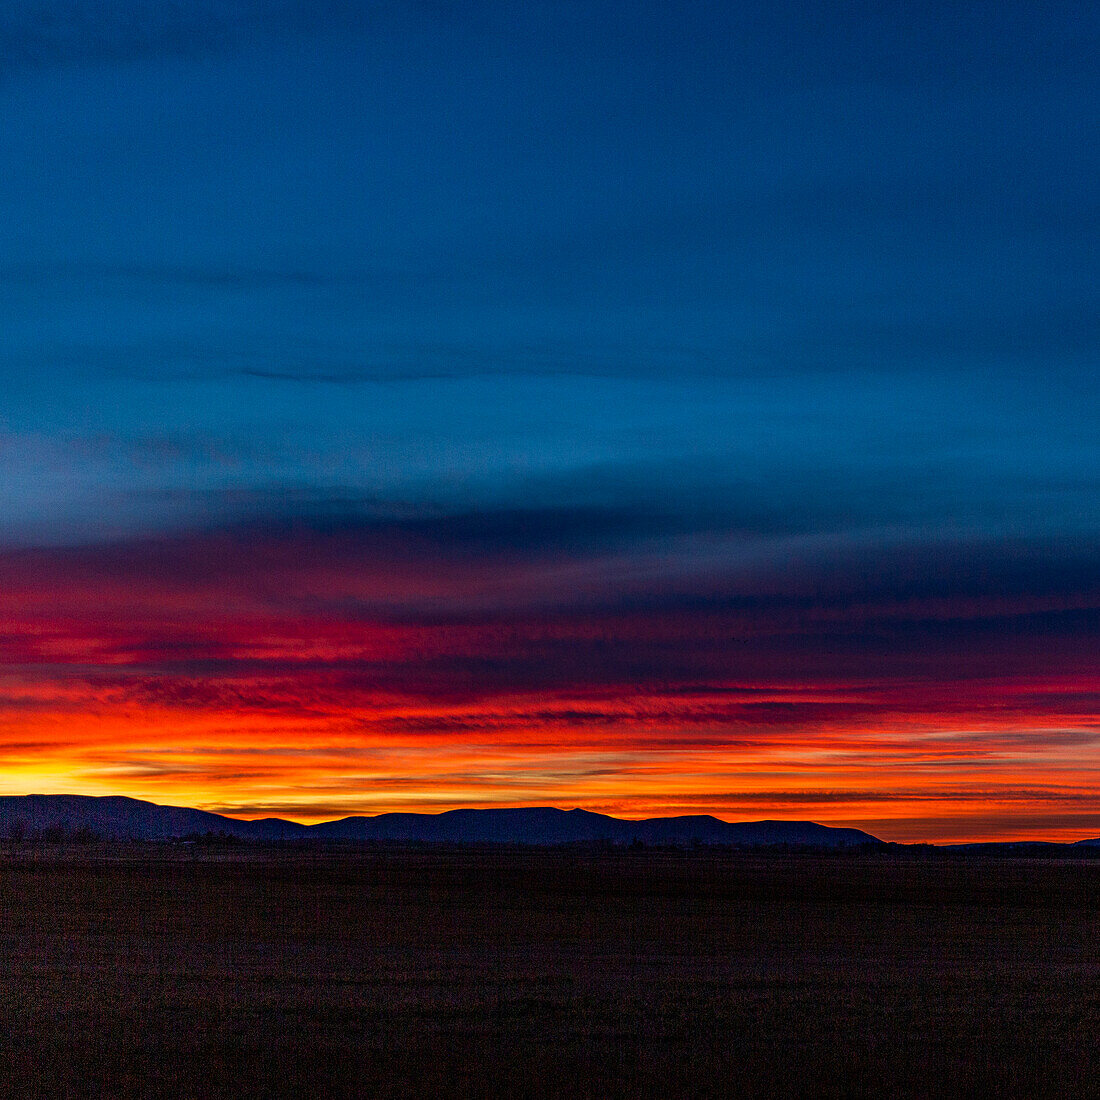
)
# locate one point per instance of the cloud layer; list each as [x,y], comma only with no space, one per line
[518,657]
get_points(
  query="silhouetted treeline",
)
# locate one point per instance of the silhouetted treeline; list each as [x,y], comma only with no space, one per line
[20,833]
[212,839]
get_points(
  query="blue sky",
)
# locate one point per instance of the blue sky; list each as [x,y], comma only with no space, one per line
[458,255]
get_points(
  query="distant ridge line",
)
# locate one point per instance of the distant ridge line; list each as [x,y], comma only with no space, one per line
[121,817]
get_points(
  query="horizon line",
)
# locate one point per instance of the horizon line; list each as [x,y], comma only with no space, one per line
[1012,840]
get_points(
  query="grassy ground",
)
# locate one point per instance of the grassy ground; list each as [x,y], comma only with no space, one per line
[160,972]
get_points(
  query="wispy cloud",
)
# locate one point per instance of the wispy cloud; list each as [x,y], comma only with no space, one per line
[398,661]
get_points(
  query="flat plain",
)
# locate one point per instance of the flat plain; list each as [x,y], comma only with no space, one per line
[162,971]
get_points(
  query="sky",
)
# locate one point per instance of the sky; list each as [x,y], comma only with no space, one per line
[653,408]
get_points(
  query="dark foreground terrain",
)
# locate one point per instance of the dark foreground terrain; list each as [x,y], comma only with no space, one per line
[161,971]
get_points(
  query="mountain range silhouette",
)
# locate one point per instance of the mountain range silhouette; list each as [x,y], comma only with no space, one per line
[130,818]
[121,818]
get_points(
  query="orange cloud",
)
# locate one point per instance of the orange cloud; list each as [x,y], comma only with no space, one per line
[175,672]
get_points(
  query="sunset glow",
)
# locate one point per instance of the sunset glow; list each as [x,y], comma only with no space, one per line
[221,672]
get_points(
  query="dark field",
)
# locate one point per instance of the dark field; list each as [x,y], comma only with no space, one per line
[162,972]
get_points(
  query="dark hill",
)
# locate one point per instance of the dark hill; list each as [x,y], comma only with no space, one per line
[546,825]
[131,818]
